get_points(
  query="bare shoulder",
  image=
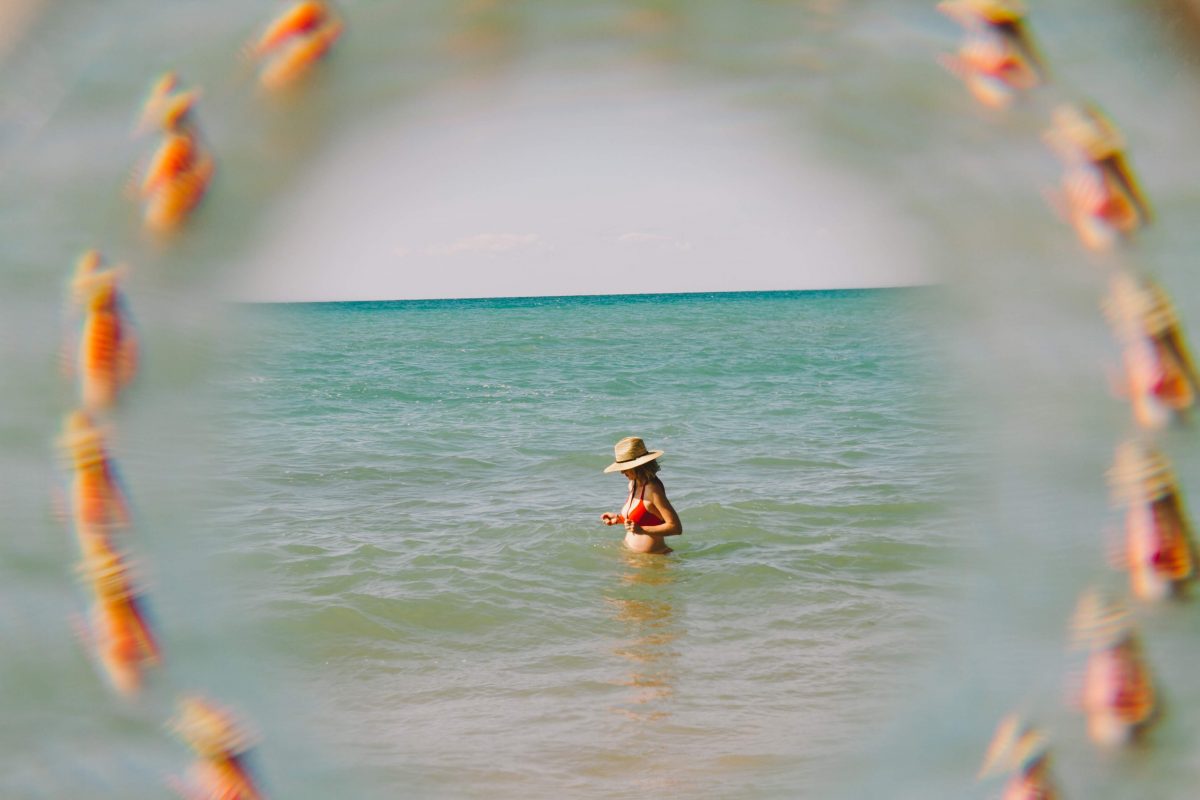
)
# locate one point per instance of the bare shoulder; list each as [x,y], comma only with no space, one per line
[656,490]
[658,498]
[657,494]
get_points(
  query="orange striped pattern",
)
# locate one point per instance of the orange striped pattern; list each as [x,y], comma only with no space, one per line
[107,359]
[301,19]
[220,769]
[175,156]
[98,505]
[178,174]
[120,634]
[294,42]
[168,205]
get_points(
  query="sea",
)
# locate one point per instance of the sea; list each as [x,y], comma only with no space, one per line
[371,529]
[428,490]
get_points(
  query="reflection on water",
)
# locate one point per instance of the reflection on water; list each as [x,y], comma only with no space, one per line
[642,602]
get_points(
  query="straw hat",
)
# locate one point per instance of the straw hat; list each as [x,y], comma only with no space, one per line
[1099,623]
[82,439]
[92,276]
[1084,129]
[1015,745]
[1140,472]
[1137,306]
[177,107]
[167,106]
[631,452]
[109,574]
[995,12]
[211,730]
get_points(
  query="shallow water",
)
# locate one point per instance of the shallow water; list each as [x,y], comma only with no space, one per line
[892,499]
[419,477]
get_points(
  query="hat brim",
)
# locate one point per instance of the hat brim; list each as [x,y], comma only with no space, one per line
[994,11]
[618,466]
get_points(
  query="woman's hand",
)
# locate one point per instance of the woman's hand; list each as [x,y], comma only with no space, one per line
[611,519]
[633,527]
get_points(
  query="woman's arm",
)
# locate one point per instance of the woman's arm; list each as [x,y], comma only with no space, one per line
[657,499]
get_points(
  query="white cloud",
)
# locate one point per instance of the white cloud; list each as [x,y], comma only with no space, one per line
[639,238]
[489,244]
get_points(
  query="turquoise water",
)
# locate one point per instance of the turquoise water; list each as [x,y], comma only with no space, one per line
[424,480]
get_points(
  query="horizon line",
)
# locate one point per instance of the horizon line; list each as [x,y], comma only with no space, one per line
[623,295]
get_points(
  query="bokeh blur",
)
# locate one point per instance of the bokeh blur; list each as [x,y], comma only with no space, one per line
[805,143]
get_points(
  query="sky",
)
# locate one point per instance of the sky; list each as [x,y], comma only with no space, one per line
[536,185]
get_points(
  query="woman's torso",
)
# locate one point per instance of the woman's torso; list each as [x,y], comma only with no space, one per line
[636,510]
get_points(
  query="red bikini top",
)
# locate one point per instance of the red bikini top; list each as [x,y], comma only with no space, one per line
[639,513]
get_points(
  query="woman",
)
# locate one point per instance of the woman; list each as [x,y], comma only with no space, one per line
[647,515]
[1161,381]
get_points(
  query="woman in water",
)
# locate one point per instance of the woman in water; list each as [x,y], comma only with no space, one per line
[647,515]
